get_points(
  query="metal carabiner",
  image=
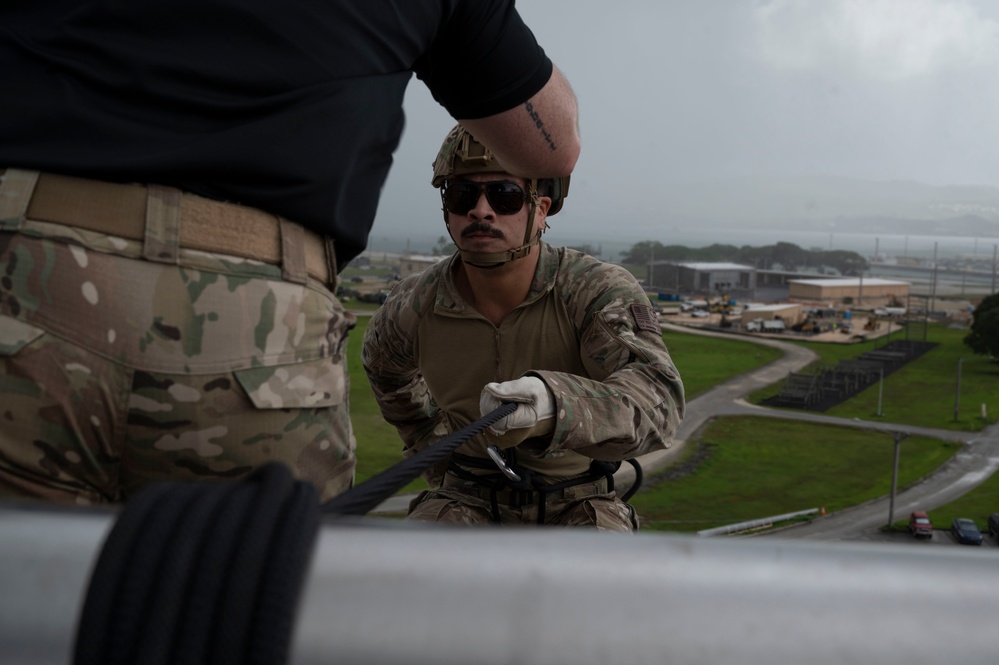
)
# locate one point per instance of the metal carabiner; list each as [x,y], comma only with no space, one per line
[497,457]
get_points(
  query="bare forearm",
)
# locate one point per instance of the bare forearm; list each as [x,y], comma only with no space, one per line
[539,138]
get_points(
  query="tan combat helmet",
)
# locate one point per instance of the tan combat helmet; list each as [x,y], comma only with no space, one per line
[461,154]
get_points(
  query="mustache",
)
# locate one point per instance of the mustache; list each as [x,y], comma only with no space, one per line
[479,227]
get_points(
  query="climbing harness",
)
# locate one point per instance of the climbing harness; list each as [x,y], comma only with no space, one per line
[518,487]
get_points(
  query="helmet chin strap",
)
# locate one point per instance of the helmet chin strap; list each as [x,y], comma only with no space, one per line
[496,259]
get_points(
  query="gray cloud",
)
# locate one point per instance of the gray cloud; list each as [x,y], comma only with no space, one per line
[689,95]
[876,39]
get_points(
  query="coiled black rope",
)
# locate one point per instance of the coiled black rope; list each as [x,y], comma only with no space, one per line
[366,496]
[201,573]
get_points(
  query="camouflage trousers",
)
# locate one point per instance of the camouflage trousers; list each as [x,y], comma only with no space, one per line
[117,371]
[464,502]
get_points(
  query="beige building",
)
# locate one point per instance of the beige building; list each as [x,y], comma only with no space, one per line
[790,313]
[411,263]
[839,288]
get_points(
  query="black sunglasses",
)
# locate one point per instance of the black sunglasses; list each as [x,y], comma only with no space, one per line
[505,197]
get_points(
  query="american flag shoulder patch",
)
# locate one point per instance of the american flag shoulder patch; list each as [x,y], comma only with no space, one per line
[645,318]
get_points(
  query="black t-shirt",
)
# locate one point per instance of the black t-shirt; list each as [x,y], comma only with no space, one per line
[291,106]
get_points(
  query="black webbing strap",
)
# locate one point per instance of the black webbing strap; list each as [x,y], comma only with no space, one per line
[529,485]
[637,485]
[201,573]
[366,496]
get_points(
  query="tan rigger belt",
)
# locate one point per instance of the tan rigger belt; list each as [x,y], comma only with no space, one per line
[142,212]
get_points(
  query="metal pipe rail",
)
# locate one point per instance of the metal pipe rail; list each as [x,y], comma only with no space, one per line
[389,592]
[760,522]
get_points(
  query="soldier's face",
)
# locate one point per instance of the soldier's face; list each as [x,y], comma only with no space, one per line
[483,228]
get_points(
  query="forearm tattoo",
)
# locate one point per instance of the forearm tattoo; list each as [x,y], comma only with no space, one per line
[540,125]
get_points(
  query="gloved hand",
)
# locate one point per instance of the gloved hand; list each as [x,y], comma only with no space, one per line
[535,403]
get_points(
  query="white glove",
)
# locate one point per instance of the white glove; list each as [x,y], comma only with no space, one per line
[535,402]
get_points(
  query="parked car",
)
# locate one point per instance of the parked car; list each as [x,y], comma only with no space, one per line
[966,531]
[920,525]
[994,525]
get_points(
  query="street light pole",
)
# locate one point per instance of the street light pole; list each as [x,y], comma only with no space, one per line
[651,263]
[957,390]
[894,477]
[933,287]
[881,386]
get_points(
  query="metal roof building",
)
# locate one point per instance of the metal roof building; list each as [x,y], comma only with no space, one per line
[847,287]
[703,277]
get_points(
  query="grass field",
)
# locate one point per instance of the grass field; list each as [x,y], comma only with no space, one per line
[760,467]
[378,444]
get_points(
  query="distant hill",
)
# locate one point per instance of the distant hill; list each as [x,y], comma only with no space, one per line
[965,225]
[838,204]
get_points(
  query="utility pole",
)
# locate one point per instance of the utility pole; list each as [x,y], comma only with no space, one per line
[881,384]
[957,390]
[933,287]
[651,259]
[894,476]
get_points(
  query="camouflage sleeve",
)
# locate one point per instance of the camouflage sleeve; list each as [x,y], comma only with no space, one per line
[389,359]
[632,401]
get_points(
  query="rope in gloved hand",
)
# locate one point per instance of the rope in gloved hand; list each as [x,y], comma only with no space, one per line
[369,494]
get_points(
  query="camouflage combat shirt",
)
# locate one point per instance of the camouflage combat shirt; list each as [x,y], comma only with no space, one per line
[586,329]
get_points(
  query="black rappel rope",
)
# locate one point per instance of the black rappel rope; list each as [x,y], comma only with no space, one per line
[366,496]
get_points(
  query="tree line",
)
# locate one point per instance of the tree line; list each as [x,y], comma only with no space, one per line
[787,255]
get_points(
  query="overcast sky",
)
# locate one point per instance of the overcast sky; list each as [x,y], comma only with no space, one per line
[680,91]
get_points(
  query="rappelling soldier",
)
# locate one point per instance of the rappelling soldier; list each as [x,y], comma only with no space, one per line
[509,318]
